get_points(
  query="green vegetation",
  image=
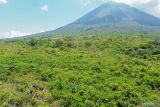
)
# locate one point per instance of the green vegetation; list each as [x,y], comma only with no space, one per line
[91,71]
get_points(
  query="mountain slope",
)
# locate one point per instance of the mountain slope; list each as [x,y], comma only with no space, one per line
[117,13]
[112,17]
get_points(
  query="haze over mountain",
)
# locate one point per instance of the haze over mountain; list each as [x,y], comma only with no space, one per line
[113,16]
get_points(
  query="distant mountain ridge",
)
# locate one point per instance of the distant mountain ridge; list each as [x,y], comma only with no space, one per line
[112,17]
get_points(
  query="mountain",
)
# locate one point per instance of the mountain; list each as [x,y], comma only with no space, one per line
[117,13]
[112,17]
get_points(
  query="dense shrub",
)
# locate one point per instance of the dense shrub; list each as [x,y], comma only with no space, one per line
[90,71]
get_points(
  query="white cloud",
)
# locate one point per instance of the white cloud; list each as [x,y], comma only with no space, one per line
[42,31]
[3,1]
[12,34]
[130,2]
[44,8]
[87,2]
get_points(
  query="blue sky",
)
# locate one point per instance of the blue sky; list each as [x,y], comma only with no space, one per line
[22,17]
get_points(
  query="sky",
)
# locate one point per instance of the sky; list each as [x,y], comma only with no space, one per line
[25,17]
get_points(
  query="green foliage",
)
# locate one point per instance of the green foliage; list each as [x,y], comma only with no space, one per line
[32,42]
[92,71]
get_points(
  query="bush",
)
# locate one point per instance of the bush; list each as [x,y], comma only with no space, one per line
[33,42]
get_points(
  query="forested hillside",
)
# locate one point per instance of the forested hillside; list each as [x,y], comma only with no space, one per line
[80,71]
